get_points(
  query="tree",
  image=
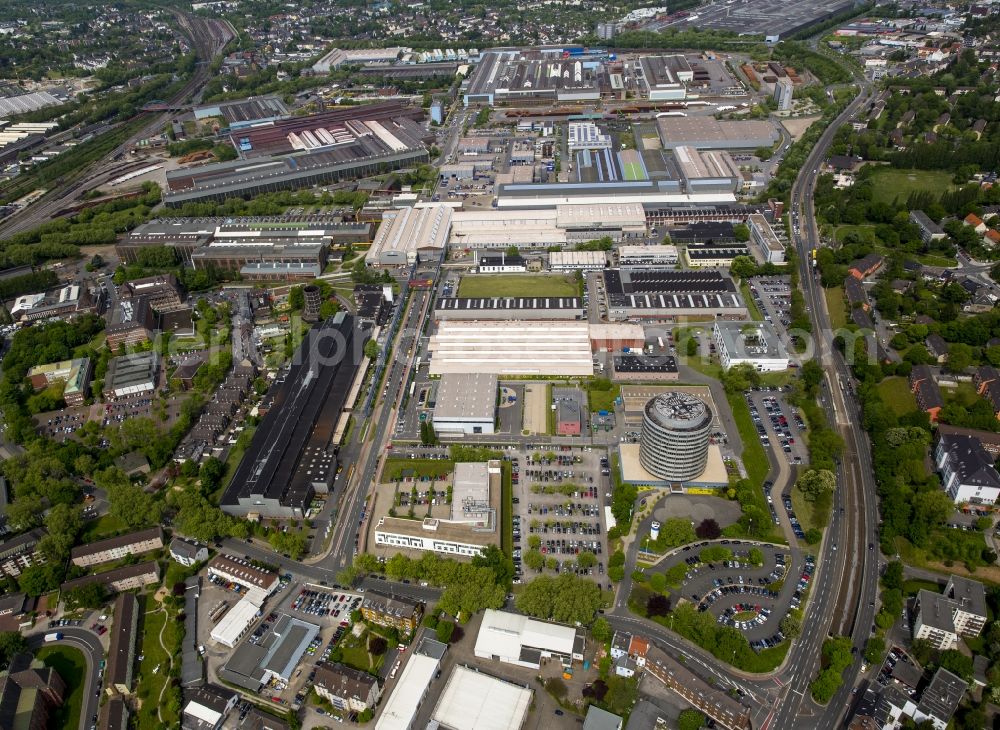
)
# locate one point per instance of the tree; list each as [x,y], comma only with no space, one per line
[11,643]
[567,599]
[622,694]
[586,559]
[658,582]
[756,556]
[39,579]
[534,559]
[444,631]
[372,349]
[211,473]
[556,687]
[674,532]
[296,299]
[690,720]
[893,575]
[791,626]
[741,232]
[496,560]
[657,605]
[601,630]
[814,483]
[708,529]
[91,595]
[377,645]
[959,357]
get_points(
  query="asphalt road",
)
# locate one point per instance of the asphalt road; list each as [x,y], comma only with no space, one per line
[87,642]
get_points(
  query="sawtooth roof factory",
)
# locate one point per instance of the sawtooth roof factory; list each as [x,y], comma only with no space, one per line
[303,151]
[558,225]
[663,294]
[707,172]
[528,76]
[292,456]
[410,235]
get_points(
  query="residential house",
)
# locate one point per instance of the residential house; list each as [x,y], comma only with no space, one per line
[121,653]
[384,610]
[187,553]
[925,387]
[991,238]
[976,222]
[929,230]
[29,694]
[967,471]
[937,347]
[346,688]
[116,548]
[984,375]
[21,552]
[865,267]
[855,293]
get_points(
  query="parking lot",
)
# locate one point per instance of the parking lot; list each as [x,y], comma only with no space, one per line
[779,425]
[773,297]
[559,496]
[723,580]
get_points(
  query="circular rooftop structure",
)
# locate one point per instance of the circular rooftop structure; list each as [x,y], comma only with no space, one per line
[675,436]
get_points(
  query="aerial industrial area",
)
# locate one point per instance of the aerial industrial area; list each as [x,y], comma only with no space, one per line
[500,368]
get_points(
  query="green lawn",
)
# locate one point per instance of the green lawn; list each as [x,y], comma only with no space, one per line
[71,665]
[154,669]
[396,469]
[754,458]
[603,400]
[106,526]
[836,306]
[517,285]
[896,394]
[867,232]
[808,513]
[964,395]
[890,183]
[751,304]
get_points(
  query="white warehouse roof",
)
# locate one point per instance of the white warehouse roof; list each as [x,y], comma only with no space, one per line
[400,709]
[405,232]
[475,701]
[503,634]
[229,630]
[515,348]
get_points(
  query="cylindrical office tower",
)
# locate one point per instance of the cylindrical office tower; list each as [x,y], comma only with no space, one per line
[674,441]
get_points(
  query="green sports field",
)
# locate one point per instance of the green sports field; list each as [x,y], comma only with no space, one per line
[517,285]
[633,171]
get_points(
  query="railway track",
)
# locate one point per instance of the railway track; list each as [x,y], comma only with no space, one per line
[208,36]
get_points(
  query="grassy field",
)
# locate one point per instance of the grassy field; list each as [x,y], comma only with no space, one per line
[866,231]
[751,304]
[890,183]
[154,668]
[633,171]
[603,400]
[896,395]
[754,458]
[807,512]
[71,665]
[105,526]
[964,395]
[836,306]
[396,469]
[517,285]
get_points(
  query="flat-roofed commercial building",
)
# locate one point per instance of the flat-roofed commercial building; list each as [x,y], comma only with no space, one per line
[562,223]
[273,656]
[471,525]
[707,172]
[132,374]
[74,373]
[508,308]
[472,700]
[292,455]
[754,343]
[707,133]
[658,193]
[116,548]
[466,403]
[511,348]
[577,260]
[411,235]
[259,583]
[121,653]
[516,639]
[714,257]
[236,623]
[384,610]
[400,710]
[510,77]
[125,578]
[665,78]
[647,255]
[768,247]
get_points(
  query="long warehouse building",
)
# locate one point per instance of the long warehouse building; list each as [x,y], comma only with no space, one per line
[291,456]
